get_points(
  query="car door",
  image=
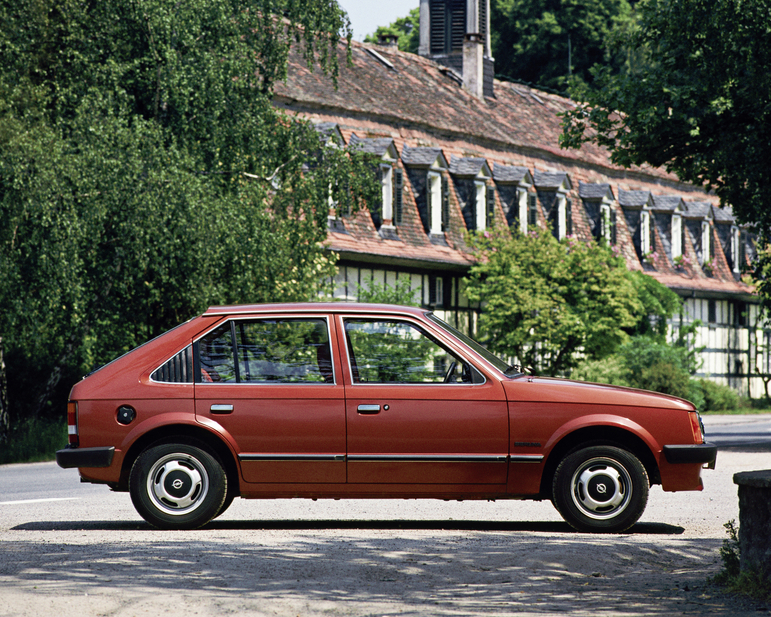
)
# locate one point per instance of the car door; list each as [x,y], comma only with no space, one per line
[418,413]
[271,385]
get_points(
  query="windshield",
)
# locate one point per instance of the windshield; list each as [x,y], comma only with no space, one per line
[502,366]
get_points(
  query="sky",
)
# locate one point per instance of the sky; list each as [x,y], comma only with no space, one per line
[367,15]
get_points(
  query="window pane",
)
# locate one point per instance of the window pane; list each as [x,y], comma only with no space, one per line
[284,351]
[398,352]
[216,353]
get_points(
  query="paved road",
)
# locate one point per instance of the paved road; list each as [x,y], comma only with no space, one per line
[751,431]
[77,550]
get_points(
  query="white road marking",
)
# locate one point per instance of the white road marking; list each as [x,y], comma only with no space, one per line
[13,503]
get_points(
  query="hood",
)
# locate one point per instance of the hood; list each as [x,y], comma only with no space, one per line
[552,390]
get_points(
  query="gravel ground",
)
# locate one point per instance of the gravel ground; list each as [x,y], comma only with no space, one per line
[90,554]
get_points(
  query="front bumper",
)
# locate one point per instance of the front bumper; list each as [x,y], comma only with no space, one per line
[85,457]
[702,453]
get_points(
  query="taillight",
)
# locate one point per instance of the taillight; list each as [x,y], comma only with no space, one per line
[698,435]
[72,423]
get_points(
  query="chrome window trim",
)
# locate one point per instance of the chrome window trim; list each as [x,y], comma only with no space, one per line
[248,456]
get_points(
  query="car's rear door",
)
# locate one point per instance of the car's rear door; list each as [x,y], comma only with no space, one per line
[271,385]
[414,418]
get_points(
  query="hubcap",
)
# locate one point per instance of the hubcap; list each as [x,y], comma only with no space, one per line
[177,484]
[601,488]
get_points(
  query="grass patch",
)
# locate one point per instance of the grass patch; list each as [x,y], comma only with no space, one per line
[33,441]
[747,583]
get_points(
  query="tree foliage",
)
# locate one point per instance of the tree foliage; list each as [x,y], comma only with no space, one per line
[549,303]
[546,42]
[406,29]
[697,103]
[144,173]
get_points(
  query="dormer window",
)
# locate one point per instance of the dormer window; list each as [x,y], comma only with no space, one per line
[511,185]
[383,148]
[471,177]
[553,189]
[426,169]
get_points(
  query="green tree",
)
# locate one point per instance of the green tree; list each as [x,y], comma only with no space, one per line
[546,42]
[407,29]
[549,303]
[697,103]
[145,174]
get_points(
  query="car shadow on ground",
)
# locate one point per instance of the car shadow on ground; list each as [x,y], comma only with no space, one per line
[321,524]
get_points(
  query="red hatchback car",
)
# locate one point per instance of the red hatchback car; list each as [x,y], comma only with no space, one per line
[354,400]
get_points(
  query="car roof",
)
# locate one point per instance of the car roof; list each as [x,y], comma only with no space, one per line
[313,307]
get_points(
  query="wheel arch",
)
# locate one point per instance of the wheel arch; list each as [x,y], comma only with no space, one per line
[596,436]
[179,433]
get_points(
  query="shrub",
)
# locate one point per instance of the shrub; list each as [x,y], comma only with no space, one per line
[718,397]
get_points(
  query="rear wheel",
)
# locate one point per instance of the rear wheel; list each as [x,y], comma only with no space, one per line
[600,489]
[177,486]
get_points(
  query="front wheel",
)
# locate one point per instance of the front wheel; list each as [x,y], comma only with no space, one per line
[600,489]
[177,486]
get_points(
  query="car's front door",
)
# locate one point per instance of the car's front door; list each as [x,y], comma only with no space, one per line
[417,412]
[270,385]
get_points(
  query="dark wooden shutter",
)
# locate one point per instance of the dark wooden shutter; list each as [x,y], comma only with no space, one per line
[711,244]
[438,26]
[652,232]
[445,204]
[398,185]
[532,210]
[490,218]
[568,216]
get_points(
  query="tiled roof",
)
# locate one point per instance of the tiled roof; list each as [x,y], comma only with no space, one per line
[551,179]
[511,174]
[724,214]
[666,203]
[378,145]
[418,94]
[633,199]
[594,191]
[420,156]
[698,210]
[467,166]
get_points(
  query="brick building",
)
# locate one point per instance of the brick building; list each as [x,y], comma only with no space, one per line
[461,151]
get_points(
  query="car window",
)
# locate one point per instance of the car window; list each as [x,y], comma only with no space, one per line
[267,350]
[395,351]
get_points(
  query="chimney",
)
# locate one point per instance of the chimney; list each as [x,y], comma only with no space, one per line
[473,67]
[465,50]
[388,40]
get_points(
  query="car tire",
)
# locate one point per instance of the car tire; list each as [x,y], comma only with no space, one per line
[177,486]
[600,489]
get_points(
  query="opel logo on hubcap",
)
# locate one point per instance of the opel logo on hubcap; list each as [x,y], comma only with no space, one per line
[177,484]
[601,489]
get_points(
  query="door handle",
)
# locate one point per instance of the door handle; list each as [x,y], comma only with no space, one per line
[221,408]
[368,409]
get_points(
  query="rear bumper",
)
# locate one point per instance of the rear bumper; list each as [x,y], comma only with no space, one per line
[85,457]
[703,453]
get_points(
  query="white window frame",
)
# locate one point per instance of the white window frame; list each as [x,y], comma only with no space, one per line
[562,223]
[677,236]
[736,238]
[480,212]
[386,180]
[523,209]
[645,232]
[434,202]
